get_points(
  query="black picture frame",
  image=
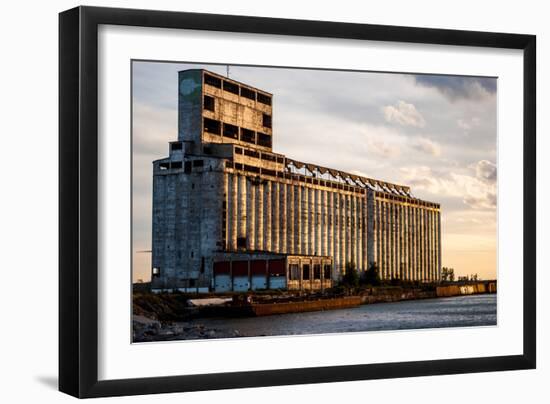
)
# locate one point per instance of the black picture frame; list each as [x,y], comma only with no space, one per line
[78,201]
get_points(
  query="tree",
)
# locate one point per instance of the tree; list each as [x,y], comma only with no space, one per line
[447,274]
[372,275]
[351,277]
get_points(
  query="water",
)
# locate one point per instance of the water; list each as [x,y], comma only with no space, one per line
[461,311]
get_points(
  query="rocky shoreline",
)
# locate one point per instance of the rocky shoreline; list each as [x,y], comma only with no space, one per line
[148,330]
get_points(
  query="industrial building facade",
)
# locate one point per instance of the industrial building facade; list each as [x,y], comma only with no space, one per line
[229,214]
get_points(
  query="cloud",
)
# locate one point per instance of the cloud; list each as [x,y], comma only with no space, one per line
[382,148]
[153,128]
[468,124]
[486,171]
[463,124]
[404,114]
[459,87]
[485,201]
[427,146]
[477,191]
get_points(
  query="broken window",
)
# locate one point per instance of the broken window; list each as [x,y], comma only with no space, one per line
[231,131]
[212,126]
[252,169]
[305,270]
[212,81]
[198,163]
[176,146]
[164,166]
[266,120]
[251,153]
[327,269]
[247,93]
[268,157]
[187,167]
[248,136]
[241,242]
[271,173]
[294,272]
[208,103]
[317,271]
[238,150]
[264,99]
[264,139]
[192,283]
[230,87]
[176,164]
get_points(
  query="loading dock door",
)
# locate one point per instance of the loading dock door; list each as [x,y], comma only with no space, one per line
[277,274]
[258,272]
[240,276]
[222,277]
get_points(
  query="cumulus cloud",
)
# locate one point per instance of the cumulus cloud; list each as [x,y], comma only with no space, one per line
[459,87]
[427,146]
[477,188]
[404,114]
[486,171]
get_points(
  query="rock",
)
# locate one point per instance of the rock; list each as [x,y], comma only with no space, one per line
[144,321]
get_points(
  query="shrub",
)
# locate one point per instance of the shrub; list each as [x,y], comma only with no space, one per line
[395,281]
[372,275]
[351,277]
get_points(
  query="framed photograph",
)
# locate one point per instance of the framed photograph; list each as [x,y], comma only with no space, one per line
[250,201]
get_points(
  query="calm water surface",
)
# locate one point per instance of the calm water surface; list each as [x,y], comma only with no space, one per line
[461,311]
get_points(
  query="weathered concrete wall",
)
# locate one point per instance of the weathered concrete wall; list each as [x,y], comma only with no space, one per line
[187,222]
[407,237]
[402,225]
[190,106]
[306,228]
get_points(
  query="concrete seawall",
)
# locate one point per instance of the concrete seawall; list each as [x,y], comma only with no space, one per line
[466,289]
[394,294]
[398,293]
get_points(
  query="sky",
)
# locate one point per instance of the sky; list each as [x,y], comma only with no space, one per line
[434,133]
